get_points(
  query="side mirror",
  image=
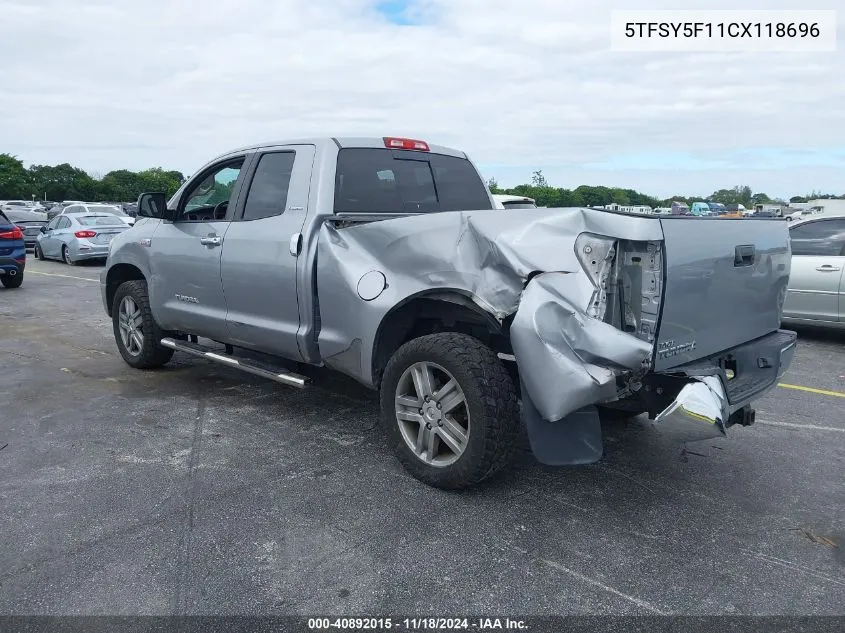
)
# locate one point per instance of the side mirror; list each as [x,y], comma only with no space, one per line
[152,205]
[43,229]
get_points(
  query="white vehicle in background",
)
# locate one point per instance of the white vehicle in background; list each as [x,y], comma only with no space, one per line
[504,201]
[16,205]
[663,211]
[88,207]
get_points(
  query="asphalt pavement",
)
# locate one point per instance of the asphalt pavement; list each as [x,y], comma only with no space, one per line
[196,489]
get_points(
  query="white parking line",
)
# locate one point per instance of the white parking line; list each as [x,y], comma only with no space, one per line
[35,272]
[812,427]
[596,583]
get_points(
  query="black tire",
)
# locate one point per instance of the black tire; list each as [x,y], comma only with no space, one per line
[12,282]
[66,257]
[491,401]
[152,354]
[36,252]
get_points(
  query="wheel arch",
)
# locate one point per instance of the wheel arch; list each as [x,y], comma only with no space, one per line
[431,311]
[117,275]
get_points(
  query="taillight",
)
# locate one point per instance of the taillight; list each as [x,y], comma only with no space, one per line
[596,254]
[14,234]
[628,280]
[85,234]
[405,143]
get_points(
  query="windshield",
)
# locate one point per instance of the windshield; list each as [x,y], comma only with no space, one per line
[26,216]
[519,205]
[99,220]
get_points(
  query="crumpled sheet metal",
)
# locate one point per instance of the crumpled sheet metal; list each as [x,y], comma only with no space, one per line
[566,359]
[486,255]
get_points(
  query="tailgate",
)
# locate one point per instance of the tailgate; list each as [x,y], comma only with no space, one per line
[725,285]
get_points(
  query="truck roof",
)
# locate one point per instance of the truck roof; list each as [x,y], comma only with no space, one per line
[341,142]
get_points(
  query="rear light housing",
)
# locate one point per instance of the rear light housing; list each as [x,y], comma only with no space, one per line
[14,234]
[393,142]
[627,278]
[85,234]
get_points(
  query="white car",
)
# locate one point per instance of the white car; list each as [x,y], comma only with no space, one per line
[91,207]
[504,201]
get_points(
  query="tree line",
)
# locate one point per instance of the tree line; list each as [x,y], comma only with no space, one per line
[66,182]
[598,196]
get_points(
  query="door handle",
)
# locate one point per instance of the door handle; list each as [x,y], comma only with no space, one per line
[211,241]
[827,268]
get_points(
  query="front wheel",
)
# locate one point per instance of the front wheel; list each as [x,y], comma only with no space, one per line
[36,252]
[449,408]
[135,330]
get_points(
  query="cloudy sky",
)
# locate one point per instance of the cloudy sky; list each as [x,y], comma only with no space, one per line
[519,84]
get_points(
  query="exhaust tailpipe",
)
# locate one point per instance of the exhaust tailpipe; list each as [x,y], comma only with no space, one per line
[13,272]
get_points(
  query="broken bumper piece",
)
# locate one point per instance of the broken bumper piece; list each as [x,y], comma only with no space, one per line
[700,411]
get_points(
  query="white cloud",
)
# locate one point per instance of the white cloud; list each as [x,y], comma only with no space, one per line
[519,84]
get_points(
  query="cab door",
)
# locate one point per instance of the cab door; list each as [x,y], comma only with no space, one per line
[186,289]
[817,279]
[261,263]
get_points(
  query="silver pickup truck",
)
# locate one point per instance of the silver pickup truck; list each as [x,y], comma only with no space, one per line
[386,259]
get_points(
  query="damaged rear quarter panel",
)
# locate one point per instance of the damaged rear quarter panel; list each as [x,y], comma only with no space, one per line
[487,256]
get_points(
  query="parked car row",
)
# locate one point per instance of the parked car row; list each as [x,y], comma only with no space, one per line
[77,236]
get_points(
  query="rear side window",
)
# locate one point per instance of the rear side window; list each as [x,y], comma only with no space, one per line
[268,193]
[822,237]
[386,181]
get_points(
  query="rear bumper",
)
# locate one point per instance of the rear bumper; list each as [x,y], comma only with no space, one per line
[88,250]
[702,400]
[12,265]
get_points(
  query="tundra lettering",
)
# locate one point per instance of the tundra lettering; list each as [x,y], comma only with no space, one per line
[386,259]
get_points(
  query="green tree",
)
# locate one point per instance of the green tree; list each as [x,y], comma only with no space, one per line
[14,179]
[157,179]
[538,179]
[62,182]
[493,186]
[120,186]
[621,198]
[798,199]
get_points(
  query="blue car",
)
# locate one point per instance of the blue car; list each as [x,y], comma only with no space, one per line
[12,253]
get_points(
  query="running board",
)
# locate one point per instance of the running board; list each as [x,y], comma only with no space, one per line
[284,377]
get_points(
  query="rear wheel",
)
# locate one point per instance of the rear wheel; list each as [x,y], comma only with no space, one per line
[66,258]
[135,330]
[12,282]
[449,408]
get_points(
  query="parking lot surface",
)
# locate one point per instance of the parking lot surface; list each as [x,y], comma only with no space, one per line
[197,489]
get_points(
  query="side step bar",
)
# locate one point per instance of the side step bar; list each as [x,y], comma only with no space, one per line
[284,377]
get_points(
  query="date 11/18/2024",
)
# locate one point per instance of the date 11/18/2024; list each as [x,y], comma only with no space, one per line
[417,624]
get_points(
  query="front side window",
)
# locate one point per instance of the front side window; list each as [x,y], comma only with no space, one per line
[268,193]
[64,222]
[822,237]
[212,192]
